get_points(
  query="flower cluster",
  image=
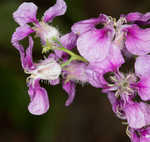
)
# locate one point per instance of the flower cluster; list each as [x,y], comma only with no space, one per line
[103,52]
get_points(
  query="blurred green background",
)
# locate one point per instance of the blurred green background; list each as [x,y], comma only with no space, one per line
[89,118]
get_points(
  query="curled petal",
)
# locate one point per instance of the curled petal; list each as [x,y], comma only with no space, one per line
[142,65]
[26,13]
[137,40]
[137,17]
[39,103]
[137,114]
[58,9]
[26,56]
[87,25]
[94,45]
[20,33]
[69,87]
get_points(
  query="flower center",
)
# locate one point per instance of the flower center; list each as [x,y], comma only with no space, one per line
[48,69]
[122,84]
[46,32]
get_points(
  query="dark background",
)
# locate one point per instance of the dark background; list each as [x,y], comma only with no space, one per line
[90,117]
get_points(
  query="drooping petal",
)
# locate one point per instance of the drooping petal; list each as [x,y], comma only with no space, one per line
[26,13]
[142,66]
[137,114]
[144,88]
[68,41]
[69,87]
[137,17]
[39,102]
[26,56]
[58,9]
[137,40]
[95,44]
[20,33]
[87,25]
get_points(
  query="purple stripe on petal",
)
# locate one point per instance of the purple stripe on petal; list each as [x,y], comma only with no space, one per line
[137,40]
[95,44]
[58,9]
[69,87]
[112,62]
[26,13]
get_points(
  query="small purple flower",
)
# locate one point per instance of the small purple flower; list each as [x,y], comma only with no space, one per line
[26,13]
[47,69]
[95,44]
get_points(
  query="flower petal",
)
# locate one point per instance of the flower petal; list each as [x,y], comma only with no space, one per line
[142,65]
[86,25]
[20,33]
[137,114]
[112,62]
[137,40]
[138,17]
[69,87]
[94,45]
[144,88]
[39,103]
[26,13]
[58,9]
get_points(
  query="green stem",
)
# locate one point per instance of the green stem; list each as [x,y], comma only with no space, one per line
[73,55]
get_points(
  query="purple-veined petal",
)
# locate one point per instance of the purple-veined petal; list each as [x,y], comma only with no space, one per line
[144,88]
[137,40]
[142,65]
[39,102]
[95,78]
[87,25]
[20,33]
[95,44]
[68,41]
[58,9]
[137,17]
[26,56]
[69,87]
[137,114]
[26,13]
[112,62]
